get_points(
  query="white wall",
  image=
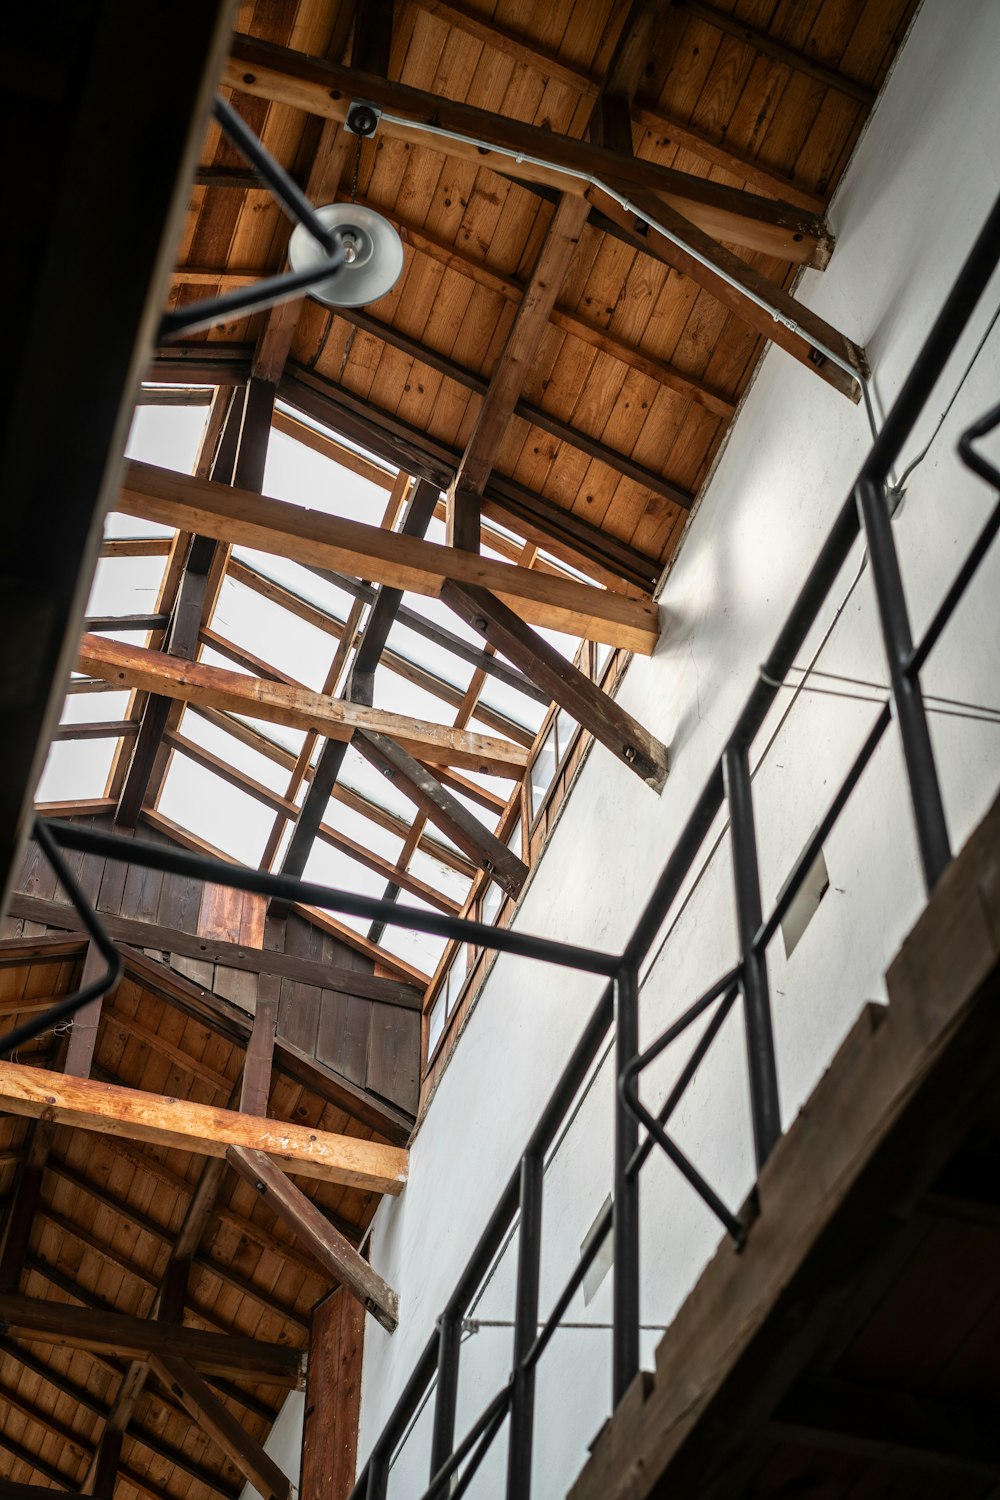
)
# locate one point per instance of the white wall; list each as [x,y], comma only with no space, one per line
[917,192]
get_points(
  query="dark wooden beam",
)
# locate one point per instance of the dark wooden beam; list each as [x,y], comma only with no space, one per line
[256,1089]
[324,89]
[444,810]
[333,1399]
[331,1249]
[70,173]
[756,300]
[213,1417]
[261,961]
[86,1021]
[87,1328]
[623,735]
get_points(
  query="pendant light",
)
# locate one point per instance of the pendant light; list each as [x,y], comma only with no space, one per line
[374,255]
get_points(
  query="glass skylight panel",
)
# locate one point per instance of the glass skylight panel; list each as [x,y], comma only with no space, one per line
[362,777]
[527,712]
[280,734]
[168,436]
[266,630]
[76,770]
[299,580]
[428,654]
[234,752]
[126,586]
[210,807]
[94,708]
[330,866]
[362,830]
[491,903]
[543,769]
[442,877]
[396,694]
[302,476]
[420,949]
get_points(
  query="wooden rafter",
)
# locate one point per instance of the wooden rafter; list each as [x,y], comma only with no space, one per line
[213,1417]
[317,539]
[623,735]
[327,1244]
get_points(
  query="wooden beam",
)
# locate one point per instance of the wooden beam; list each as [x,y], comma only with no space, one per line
[200,1128]
[214,1418]
[695,254]
[623,735]
[444,810]
[326,89]
[262,961]
[297,707]
[333,1399]
[102,1330]
[87,1020]
[331,1249]
[364,551]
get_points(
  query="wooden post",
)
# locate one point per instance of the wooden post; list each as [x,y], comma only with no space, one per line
[333,1399]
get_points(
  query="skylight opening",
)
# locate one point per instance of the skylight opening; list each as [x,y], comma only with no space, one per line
[217,812]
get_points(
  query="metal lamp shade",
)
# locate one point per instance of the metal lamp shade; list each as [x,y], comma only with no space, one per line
[375,246]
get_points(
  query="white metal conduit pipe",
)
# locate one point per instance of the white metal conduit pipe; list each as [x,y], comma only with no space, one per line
[640,213]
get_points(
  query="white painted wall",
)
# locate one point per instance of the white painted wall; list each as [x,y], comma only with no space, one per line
[284,1443]
[918,190]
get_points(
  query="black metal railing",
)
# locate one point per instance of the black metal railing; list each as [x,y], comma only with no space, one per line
[728,785]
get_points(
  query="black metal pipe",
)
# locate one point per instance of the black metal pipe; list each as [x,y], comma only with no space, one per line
[725,992]
[291,888]
[270,291]
[497,1408]
[287,191]
[988,472]
[907,695]
[377,1476]
[68,1006]
[598,1235]
[446,1390]
[529,1260]
[765,1105]
[489,1433]
[625,1350]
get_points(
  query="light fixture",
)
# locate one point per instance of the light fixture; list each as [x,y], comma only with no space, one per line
[373,255]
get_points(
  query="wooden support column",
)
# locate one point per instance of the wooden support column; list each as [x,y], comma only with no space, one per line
[256,1088]
[86,1022]
[328,1245]
[333,1399]
[213,1417]
[623,735]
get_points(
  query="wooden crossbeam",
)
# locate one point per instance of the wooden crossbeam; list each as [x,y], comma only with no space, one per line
[297,707]
[330,1248]
[103,1330]
[363,551]
[623,735]
[261,961]
[214,1417]
[696,255]
[199,1128]
[326,89]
